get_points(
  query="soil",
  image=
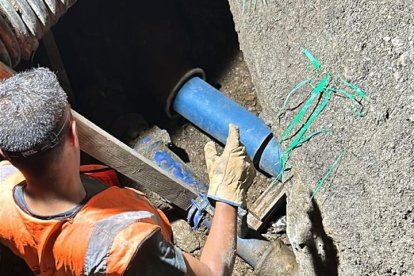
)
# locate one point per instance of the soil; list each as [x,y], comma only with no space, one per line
[366,208]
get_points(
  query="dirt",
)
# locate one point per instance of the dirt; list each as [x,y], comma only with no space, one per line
[366,208]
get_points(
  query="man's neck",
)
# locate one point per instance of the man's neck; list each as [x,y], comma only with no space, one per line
[54,193]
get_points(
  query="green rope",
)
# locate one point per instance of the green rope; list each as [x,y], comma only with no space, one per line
[310,136]
[322,88]
[298,138]
[244,2]
[283,108]
[331,169]
[353,99]
[319,89]
[253,4]
[357,90]
[315,62]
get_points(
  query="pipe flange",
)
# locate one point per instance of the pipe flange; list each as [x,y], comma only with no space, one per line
[27,42]
[53,8]
[195,72]
[41,12]
[29,17]
[4,54]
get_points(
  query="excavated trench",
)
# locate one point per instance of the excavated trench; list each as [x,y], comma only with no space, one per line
[116,54]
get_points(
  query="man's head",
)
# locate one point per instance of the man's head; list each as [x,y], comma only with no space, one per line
[34,117]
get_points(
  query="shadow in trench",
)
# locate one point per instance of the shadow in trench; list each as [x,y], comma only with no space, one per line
[325,263]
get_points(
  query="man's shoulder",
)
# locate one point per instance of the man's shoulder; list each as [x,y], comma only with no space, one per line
[156,256]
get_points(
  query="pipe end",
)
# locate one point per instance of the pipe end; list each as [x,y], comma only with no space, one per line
[270,161]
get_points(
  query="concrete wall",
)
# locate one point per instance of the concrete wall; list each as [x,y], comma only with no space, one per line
[366,207]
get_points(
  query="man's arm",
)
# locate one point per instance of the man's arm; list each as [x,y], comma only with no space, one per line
[220,248]
[230,176]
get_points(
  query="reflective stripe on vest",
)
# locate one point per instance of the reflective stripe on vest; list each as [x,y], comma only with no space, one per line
[103,237]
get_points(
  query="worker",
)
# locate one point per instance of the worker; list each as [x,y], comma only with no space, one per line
[63,222]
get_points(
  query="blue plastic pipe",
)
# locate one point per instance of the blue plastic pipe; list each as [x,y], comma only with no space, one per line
[153,147]
[210,110]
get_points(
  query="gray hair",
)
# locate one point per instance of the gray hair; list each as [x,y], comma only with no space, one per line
[32,103]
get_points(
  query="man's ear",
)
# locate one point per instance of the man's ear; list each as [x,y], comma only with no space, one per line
[74,134]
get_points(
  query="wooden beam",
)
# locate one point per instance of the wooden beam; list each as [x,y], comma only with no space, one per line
[268,202]
[104,147]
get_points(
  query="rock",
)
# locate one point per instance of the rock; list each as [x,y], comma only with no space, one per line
[358,206]
[397,75]
[398,44]
[128,126]
[315,252]
[279,226]
[396,41]
[406,57]
[184,237]
[279,261]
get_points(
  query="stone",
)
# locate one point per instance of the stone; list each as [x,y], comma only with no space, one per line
[184,237]
[357,208]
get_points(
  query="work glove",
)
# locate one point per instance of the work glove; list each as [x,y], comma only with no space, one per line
[230,174]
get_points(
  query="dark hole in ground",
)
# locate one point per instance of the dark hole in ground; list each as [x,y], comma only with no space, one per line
[117,53]
[114,52]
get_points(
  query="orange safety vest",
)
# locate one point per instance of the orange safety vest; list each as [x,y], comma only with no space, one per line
[101,239]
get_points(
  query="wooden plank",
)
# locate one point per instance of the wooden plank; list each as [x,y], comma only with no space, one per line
[254,222]
[104,147]
[262,209]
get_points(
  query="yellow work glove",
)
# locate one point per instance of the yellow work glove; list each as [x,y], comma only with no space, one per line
[230,174]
